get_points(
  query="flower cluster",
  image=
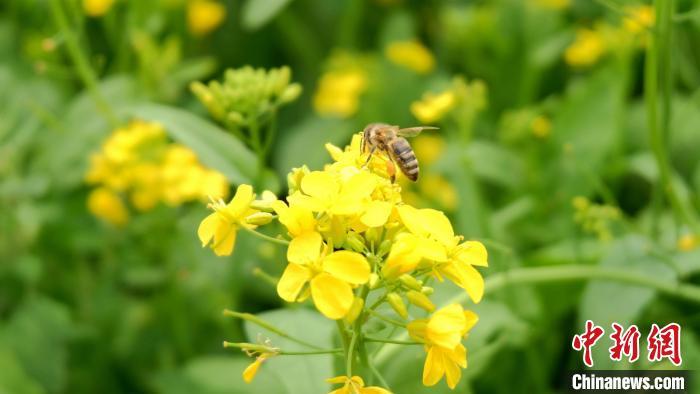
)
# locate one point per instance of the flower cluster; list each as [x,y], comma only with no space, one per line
[138,162]
[461,97]
[595,218]
[353,245]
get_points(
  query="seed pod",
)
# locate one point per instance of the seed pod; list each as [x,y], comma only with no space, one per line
[384,248]
[397,304]
[355,242]
[410,282]
[259,218]
[420,300]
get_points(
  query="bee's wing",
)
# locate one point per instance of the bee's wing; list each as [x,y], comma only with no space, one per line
[413,131]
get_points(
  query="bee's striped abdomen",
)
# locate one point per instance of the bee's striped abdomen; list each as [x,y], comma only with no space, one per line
[403,155]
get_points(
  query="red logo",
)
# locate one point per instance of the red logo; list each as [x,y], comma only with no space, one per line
[662,343]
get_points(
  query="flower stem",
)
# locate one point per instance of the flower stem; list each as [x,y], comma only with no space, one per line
[264,324]
[386,319]
[81,63]
[389,340]
[265,349]
[266,237]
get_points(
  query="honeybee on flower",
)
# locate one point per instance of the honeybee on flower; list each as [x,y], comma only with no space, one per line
[353,245]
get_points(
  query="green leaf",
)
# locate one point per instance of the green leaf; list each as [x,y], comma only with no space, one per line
[214,147]
[299,374]
[256,13]
[37,333]
[218,375]
[13,378]
[495,163]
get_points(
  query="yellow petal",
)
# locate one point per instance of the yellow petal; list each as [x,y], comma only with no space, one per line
[332,297]
[292,282]
[458,356]
[241,201]
[207,228]
[412,219]
[374,390]
[452,372]
[438,225]
[434,367]
[376,214]
[473,253]
[445,327]
[224,239]
[305,248]
[250,371]
[472,319]
[321,185]
[337,380]
[466,277]
[297,220]
[348,266]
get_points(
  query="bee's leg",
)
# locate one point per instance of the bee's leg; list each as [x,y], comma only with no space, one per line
[371,152]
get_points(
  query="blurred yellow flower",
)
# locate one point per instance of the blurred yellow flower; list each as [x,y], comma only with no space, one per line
[331,276]
[203,16]
[553,4]
[338,92]
[139,161]
[541,126]
[442,334]
[106,204]
[440,190]
[586,49]
[96,8]
[219,229]
[641,17]
[412,55]
[688,242]
[433,107]
[428,147]
[354,385]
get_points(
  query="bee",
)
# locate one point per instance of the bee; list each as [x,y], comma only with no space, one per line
[392,141]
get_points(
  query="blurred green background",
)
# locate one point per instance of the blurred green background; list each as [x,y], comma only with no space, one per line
[569,135]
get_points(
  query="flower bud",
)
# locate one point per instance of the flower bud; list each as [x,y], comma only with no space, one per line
[384,248]
[265,203]
[397,304]
[427,290]
[373,281]
[290,93]
[373,235]
[410,282]
[355,310]
[294,178]
[259,218]
[420,300]
[354,242]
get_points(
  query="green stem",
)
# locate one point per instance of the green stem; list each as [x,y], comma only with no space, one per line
[351,353]
[378,375]
[264,324]
[272,280]
[386,319]
[658,82]
[389,340]
[266,237]
[81,63]
[267,349]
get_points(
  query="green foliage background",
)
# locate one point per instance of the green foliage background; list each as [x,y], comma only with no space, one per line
[86,307]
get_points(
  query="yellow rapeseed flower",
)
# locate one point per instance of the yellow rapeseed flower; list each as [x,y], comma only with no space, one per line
[442,334]
[203,16]
[96,8]
[641,17]
[433,107]
[331,276]
[412,55]
[252,369]
[338,92]
[450,257]
[586,49]
[219,229]
[106,204]
[354,385]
